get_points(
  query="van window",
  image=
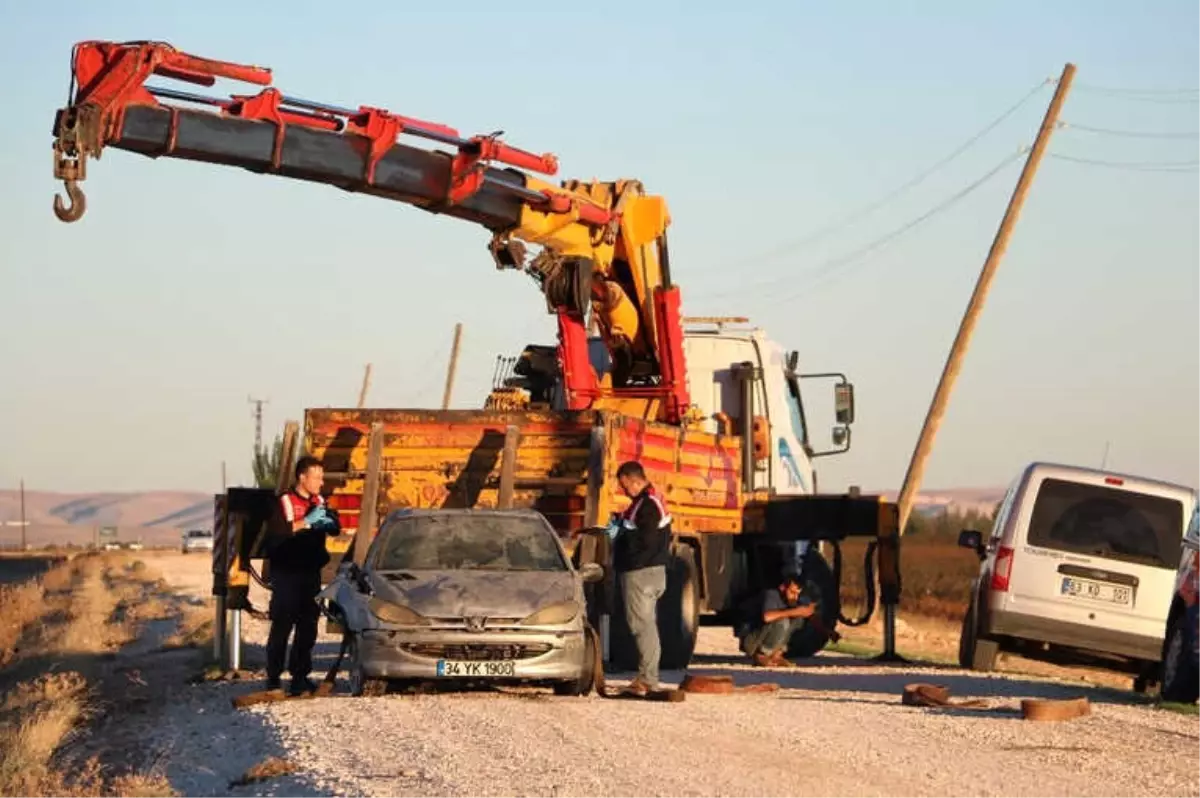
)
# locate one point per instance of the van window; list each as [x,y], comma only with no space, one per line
[1104,522]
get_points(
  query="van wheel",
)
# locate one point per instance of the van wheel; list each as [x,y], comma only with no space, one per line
[1179,678]
[821,588]
[975,652]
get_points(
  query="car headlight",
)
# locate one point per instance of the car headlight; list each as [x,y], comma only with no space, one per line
[395,613]
[553,615]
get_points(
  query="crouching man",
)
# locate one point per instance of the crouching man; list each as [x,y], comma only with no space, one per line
[772,620]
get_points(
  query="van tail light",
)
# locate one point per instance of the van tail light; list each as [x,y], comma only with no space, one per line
[1003,569]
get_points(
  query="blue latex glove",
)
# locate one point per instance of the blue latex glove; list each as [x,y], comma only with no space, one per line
[315,516]
[325,524]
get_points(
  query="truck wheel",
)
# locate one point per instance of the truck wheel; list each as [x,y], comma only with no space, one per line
[679,611]
[678,615]
[820,587]
[1179,679]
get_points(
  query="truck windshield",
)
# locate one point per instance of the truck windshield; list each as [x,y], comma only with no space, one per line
[462,542]
[796,409]
[1107,522]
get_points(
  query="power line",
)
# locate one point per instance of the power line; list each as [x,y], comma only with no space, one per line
[1160,96]
[865,210]
[1190,134]
[833,264]
[1125,90]
[1137,166]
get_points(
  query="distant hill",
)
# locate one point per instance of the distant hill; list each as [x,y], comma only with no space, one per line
[982,500]
[158,517]
[153,517]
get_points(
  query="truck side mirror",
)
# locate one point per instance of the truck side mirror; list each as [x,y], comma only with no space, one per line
[843,402]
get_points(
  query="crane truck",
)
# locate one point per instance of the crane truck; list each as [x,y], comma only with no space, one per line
[712,408]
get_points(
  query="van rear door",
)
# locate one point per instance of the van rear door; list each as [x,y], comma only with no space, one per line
[1098,552]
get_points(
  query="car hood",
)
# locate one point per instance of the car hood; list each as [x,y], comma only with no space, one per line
[457,594]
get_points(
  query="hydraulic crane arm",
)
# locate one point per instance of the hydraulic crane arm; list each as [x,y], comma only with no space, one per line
[603,245]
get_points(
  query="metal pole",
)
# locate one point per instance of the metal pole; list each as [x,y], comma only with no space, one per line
[453,366]
[937,407]
[235,640]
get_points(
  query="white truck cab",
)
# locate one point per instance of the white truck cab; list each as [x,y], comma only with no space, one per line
[1080,566]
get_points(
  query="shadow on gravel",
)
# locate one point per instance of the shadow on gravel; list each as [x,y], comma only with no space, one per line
[818,676]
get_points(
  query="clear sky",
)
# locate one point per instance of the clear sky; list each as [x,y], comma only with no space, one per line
[132,338]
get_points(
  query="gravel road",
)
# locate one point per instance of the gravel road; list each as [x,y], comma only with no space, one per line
[836,728]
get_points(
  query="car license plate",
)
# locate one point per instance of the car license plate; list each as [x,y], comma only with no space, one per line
[1097,591]
[452,668]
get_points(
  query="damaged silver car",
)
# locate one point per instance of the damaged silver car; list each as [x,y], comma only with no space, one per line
[468,595]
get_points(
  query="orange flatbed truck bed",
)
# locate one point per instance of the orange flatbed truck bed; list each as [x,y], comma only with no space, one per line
[726,541]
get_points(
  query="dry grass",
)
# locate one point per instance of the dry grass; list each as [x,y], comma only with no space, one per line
[269,768]
[194,628]
[80,611]
[935,577]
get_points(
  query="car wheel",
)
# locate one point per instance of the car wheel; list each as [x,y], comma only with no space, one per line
[587,672]
[1179,677]
[360,683]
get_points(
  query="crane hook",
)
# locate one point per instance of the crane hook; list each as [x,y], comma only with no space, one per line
[74,210]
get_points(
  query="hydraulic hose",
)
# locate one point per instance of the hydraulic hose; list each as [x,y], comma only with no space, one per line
[868,580]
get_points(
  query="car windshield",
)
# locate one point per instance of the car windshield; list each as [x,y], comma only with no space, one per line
[1106,522]
[481,542]
[196,533]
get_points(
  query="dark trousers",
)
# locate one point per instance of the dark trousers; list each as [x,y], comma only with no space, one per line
[293,606]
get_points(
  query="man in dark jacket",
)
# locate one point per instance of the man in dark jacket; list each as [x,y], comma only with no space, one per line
[772,618]
[296,551]
[640,555]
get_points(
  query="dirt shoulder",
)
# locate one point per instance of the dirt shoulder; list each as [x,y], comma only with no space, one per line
[835,727]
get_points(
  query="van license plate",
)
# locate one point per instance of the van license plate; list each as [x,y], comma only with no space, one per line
[449,667]
[1097,591]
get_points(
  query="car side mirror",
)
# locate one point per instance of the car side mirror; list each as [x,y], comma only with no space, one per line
[592,572]
[972,539]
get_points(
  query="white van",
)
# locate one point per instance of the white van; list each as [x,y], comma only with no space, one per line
[1080,567]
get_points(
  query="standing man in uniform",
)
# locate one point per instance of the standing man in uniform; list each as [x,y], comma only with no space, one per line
[640,555]
[296,549]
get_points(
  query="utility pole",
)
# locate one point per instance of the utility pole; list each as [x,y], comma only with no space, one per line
[937,407]
[453,366]
[366,385]
[23,541]
[1104,459]
[258,406]
[224,484]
